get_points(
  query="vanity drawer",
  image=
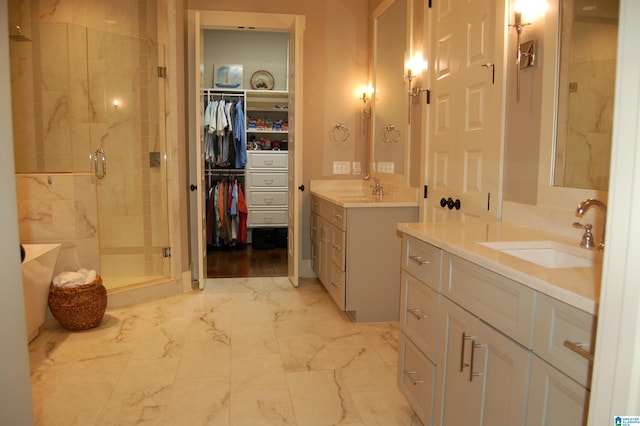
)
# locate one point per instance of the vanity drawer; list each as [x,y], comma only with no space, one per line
[419,306]
[315,228]
[267,180]
[268,160]
[416,376]
[338,216]
[500,302]
[422,260]
[337,242]
[336,286]
[268,199]
[557,322]
[267,218]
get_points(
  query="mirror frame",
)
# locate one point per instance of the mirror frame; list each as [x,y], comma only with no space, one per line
[396,178]
[548,194]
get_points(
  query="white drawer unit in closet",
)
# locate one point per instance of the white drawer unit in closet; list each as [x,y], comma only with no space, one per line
[266,180]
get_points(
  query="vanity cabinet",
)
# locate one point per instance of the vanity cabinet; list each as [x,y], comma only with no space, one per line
[356,253]
[479,348]
[266,181]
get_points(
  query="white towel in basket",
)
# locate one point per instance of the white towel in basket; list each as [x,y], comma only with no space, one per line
[74,279]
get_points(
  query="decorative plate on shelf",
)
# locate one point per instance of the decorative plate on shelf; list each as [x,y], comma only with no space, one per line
[262,80]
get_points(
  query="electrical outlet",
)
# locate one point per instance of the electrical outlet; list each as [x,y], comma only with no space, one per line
[341,167]
[356,169]
[386,166]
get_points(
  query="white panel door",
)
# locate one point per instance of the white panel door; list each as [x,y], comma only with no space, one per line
[466,115]
[295,149]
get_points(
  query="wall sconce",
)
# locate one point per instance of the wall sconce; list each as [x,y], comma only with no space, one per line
[525,52]
[367,91]
[414,65]
[116,104]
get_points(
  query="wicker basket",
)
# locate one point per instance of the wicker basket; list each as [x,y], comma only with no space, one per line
[78,308]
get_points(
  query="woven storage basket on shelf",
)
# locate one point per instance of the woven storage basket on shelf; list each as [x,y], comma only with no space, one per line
[78,308]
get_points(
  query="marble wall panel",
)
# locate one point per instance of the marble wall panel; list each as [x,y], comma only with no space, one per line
[60,208]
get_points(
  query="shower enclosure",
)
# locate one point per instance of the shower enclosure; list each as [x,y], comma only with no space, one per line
[90,104]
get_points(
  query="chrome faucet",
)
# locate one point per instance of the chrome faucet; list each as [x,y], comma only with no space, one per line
[584,206]
[377,189]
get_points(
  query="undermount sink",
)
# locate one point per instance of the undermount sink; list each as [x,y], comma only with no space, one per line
[549,254]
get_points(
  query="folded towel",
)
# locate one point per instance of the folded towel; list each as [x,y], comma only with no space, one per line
[74,279]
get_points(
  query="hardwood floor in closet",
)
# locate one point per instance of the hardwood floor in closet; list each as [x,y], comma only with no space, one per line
[245,261]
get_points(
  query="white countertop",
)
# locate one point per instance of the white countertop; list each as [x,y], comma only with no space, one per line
[357,194]
[578,287]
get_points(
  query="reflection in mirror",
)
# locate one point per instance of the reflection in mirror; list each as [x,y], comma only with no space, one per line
[390,104]
[585,93]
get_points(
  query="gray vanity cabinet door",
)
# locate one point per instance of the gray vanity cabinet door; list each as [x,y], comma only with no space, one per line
[555,399]
[484,375]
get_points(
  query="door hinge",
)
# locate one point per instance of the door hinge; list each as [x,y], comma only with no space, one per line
[166,251]
[425,191]
[162,72]
[428,97]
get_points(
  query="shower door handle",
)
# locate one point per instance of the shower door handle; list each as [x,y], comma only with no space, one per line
[103,160]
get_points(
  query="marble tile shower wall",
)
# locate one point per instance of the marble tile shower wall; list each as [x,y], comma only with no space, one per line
[84,55]
[60,208]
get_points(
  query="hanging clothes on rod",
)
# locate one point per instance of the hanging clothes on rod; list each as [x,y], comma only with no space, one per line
[224,139]
[227,212]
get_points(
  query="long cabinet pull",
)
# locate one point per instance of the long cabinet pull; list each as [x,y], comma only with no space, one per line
[473,374]
[577,348]
[465,337]
[418,260]
[417,313]
[413,380]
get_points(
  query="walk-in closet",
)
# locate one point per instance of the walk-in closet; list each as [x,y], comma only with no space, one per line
[243,126]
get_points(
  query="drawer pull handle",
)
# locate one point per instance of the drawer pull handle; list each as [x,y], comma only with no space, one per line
[417,314]
[314,228]
[413,381]
[465,337]
[268,220]
[268,162]
[339,217]
[334,284]
[418,260]
[268,181]
[336,246]
[472,374]
[268,200]
[577,348]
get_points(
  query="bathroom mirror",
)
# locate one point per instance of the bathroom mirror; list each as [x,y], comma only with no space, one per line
[390,100]
[586,83]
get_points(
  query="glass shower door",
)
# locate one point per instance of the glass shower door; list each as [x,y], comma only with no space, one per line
[126,92]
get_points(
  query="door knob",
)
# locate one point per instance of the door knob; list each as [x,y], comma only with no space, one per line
[193,187]
[301,188]
[443,202]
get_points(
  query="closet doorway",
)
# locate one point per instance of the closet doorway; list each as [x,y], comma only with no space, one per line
[268,174]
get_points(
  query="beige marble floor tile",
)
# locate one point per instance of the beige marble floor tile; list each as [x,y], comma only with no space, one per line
[256,377]
[384,408]
[203,401]
[240,352]
[305,353]
[319,399]
[264,412]
[362,369]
